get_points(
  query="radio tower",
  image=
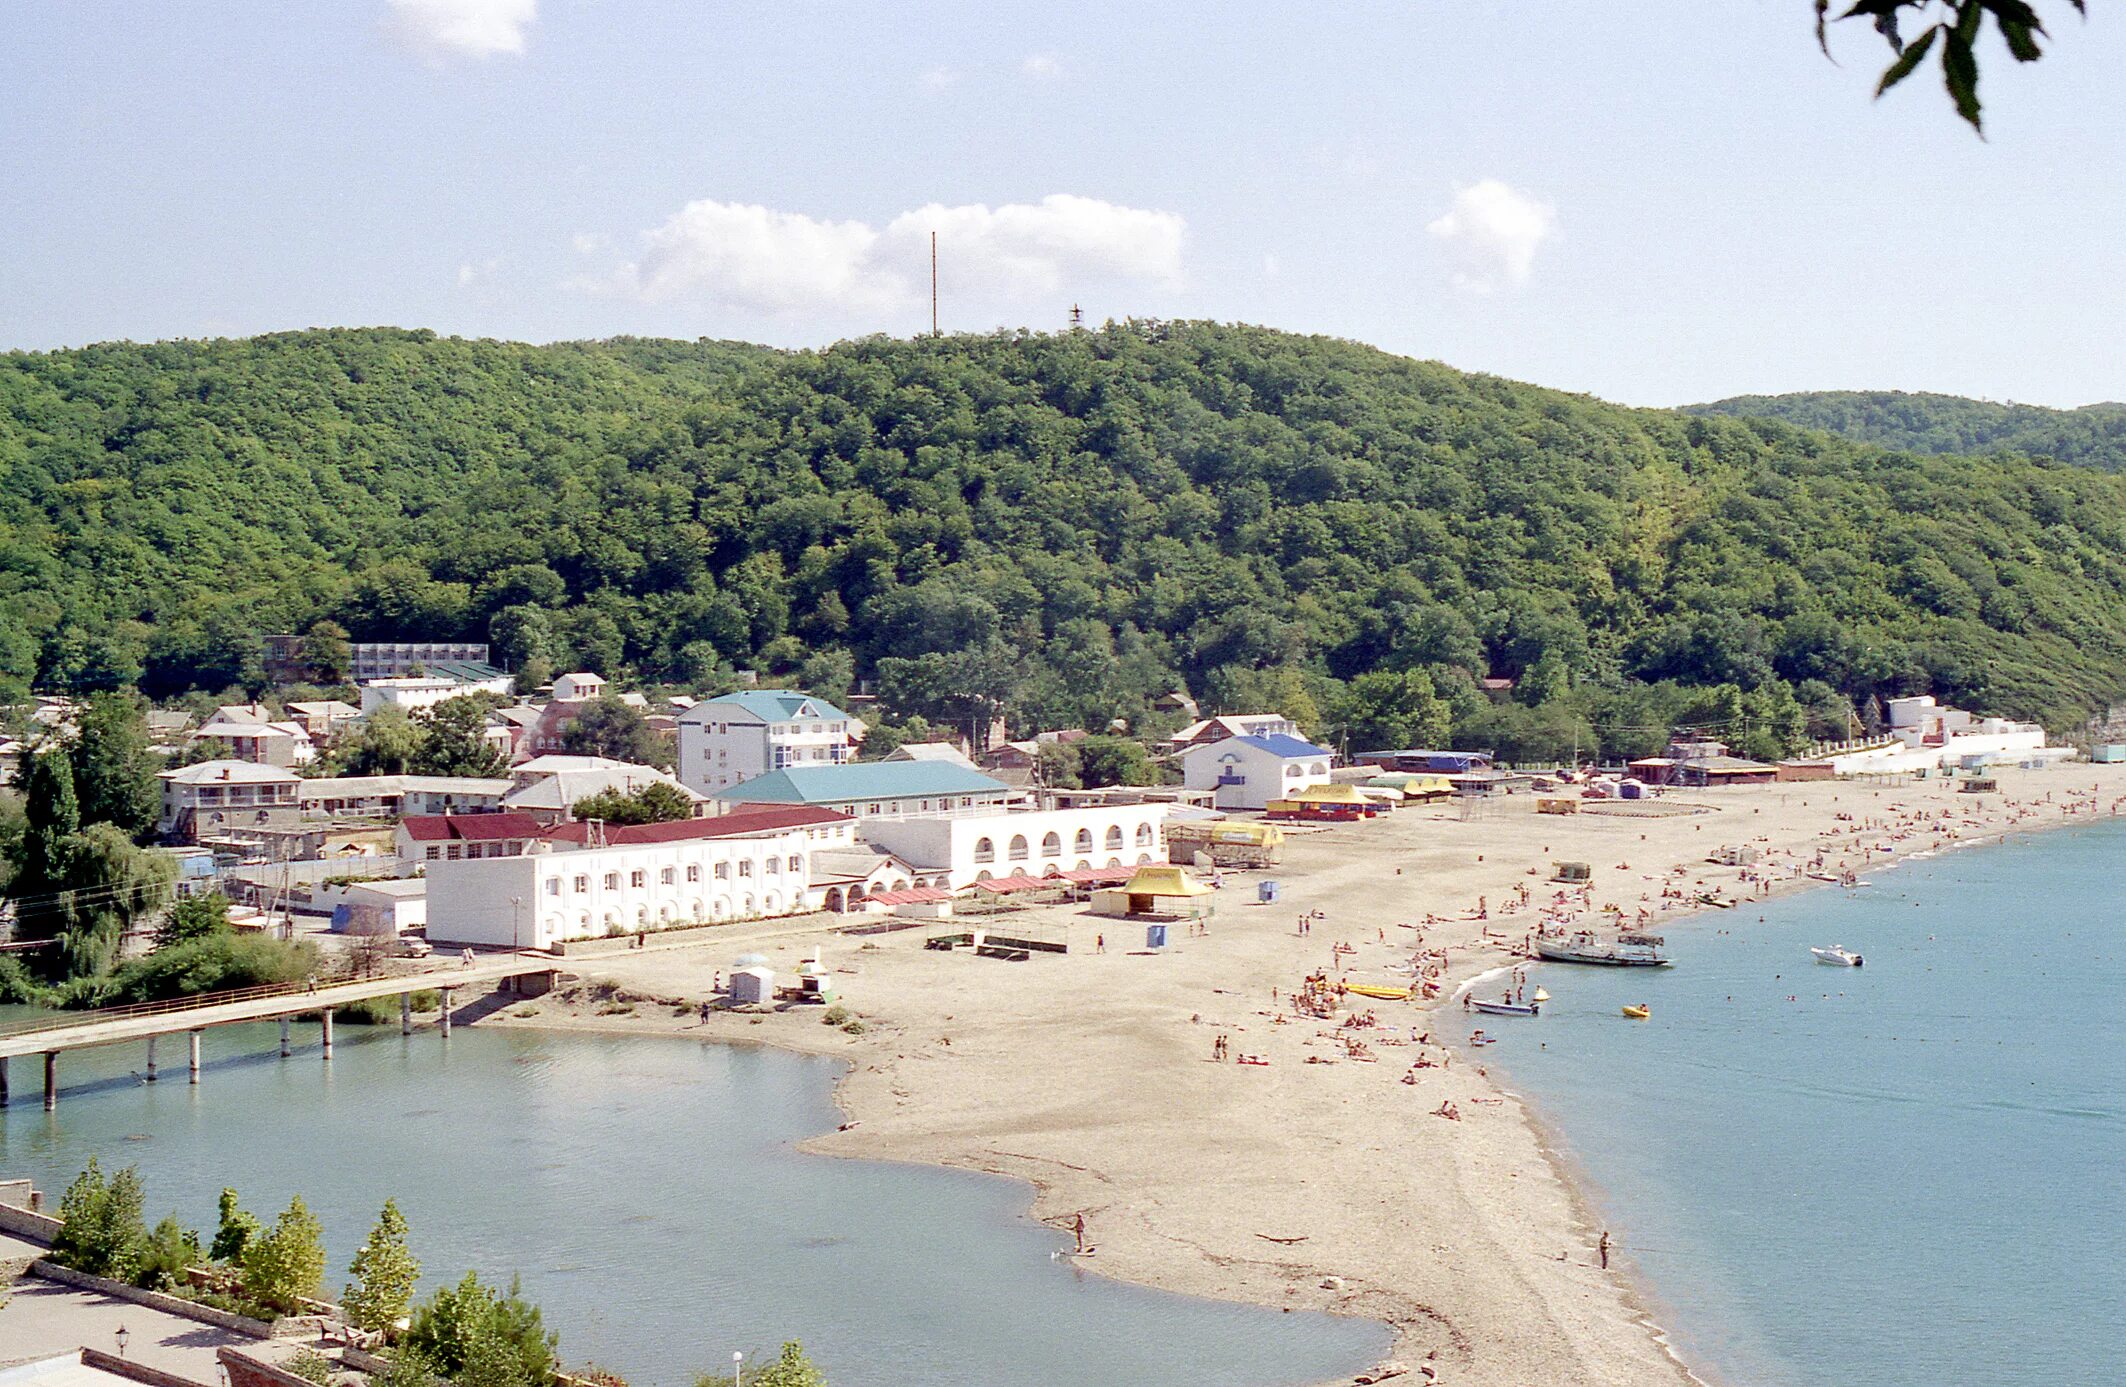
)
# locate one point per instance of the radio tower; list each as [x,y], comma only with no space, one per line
[1077,317]
[933,284]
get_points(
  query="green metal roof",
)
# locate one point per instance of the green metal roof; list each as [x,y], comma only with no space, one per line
[876,780]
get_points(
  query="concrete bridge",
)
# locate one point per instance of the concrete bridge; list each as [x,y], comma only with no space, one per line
[51,1036]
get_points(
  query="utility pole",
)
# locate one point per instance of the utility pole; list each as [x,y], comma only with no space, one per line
[933,284]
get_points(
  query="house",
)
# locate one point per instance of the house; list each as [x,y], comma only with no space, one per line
[390,796]
[870,790]
[284,662]
[227,801]
[959,849]
[424,839]
[323,719]
[853,878]
[1217,729]
[1700,762]
[574,695]
[411,693]
[548,787]
[387,908]
[944,752]
[588,881]
[733,738]
[266,743]
[1249,771]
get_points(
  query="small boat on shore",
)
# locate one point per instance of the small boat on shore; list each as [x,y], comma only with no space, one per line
[1625,951]
[1385,994]
[1639,1013]
[1838,956]
[1505,1008]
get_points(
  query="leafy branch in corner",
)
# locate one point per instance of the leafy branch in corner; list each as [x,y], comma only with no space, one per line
[1957,30]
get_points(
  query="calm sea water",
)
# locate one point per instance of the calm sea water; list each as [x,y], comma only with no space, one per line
[648,1192]
[1907,1174]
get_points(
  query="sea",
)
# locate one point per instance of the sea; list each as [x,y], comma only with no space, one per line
[1905,1174]
[649,1193]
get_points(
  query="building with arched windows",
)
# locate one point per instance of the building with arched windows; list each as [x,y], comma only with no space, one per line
[965,848]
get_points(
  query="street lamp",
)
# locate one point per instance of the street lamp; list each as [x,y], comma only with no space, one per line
[123,1338]
[738,1368]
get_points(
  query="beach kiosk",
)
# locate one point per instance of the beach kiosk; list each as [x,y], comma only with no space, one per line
[752,987]
[1156,892]
[1324,804]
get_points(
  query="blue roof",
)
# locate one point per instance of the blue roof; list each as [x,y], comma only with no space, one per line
[1278,744]
[868,780]
[780,705]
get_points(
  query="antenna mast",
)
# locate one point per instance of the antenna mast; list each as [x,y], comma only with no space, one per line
[933,284]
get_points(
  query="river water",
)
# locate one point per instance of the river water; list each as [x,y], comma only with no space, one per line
[649,1193]
[1905,1174]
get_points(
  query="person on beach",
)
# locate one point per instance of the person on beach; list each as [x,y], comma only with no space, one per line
[1078,1228]
[1603,1249]
[1099,943]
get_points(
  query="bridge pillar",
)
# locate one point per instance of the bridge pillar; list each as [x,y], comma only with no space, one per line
[192,1038]
[286,1049]
[405,1013]
[51,1080]
[151,1059]
[3,1082]
[446,1013]
[325,1029]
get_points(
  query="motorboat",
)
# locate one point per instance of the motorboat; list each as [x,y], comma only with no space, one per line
[1639,1013]
[1505,1008]
[1628,950]
[1541,995]
[1838,956]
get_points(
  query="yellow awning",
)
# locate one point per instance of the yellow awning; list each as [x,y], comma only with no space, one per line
[1165,881]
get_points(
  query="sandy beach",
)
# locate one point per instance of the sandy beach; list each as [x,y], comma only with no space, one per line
[1325,1178]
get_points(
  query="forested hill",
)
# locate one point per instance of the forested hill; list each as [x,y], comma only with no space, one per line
[1068,526]
[2092,436]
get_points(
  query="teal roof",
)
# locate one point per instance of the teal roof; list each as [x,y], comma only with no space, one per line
[780,705]
[872,780]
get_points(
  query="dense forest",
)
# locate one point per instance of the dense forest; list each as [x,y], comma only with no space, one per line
[1055,528]
[2092,436]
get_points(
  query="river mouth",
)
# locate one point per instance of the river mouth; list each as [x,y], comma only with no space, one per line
[651,1194]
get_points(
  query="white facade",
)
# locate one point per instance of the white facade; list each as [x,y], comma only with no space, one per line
[412,693]
[967,848]
[726,741]
[533,900]
[1249,772]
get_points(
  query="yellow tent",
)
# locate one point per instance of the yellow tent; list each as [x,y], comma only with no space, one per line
[1413,785]
[1157,891]
[1165,881]
[1328,794]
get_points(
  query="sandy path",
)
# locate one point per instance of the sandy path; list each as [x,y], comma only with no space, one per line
[1090,1074]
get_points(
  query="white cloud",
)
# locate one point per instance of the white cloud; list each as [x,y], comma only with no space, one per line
[1042,66]
[936,79]
[472,272]
[590,242]
[757,258]
[1493,231]
[437,30]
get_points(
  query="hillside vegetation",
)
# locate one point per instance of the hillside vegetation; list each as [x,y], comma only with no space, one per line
[2092,436]
[1060,528]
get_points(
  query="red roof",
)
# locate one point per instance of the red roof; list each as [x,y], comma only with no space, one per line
[470,828]
[1097,876]
[1019,881]
[739,823]
[910,895]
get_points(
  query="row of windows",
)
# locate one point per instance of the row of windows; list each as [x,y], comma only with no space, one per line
[668,876]
[474,851]
[985,849]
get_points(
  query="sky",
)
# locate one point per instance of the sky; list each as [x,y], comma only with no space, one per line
[1654,201]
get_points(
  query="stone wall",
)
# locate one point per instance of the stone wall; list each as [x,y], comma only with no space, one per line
[156,1300]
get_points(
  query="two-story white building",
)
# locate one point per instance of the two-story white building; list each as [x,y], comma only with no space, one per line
[878,789]
[411,693]
[585,881]
[739,736]
[961,849]
[1248,772]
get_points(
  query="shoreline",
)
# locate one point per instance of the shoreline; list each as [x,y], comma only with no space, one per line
[903,1097]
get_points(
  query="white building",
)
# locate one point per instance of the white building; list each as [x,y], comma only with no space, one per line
[389,796]
[549,786]
[739,736]
[411,693]
[878,789]
[1217,729]
[227,800]
[1926,735]
[961,849]
[742,865]
[1248,772]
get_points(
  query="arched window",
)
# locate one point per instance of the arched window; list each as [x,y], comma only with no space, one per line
[1114,838]
[1017,850]
[1052,845]
[984,850]
[1144,835]
[1084,841]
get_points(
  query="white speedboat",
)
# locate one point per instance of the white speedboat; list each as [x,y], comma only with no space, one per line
[1628,950]
[1837,956]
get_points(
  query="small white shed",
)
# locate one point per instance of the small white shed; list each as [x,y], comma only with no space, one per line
[753,986]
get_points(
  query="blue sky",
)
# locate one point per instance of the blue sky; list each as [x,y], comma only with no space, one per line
[1656,201]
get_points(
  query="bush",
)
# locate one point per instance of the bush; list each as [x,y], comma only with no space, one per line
[235,1231]
[215,963]
[835,1015]
[311,1366]
[101,1232]
[479,1337]
[384,1011]
[169,1250]
[855,1028]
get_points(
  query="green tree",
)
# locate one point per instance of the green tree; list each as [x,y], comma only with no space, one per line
[384,1272]
[474,1324]
[114,770]
[52,818]
[1389,709]
[193,917]
[655,803]
[405,1366]
[613,729]
[453,741]
[1106,760]
[791,1368]
[101,1229]
[1962,23]
[387,742]
[234,1232]
[285,1265]
[326,654]
[169,1251]
[1058,766]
